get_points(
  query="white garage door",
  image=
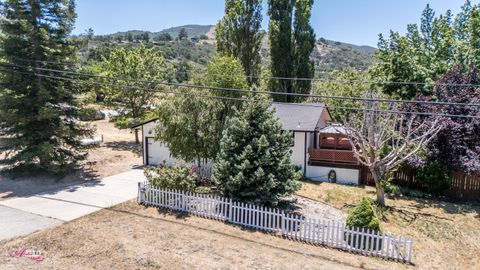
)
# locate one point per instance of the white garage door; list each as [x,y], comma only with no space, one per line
[157,152]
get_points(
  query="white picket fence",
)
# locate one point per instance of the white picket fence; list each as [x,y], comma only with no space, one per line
[204,171]
[314,231]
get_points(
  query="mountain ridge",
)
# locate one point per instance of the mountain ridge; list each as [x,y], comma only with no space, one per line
[328,55]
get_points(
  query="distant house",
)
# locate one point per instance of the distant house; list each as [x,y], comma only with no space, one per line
[320,149]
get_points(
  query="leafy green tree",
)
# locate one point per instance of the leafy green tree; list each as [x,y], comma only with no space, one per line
[201,120]
[239,34]
[127,96]
[281,47]
[163,37]
[146,37]
[254,162]
[186,126]
[427,52]
[183,35]
[38,115]
[290,50]
[183,70]
[224,72]
[304,42]
[89,33]
[347,83]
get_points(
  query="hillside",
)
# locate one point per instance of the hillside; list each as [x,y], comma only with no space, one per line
[193,30]
[328,55]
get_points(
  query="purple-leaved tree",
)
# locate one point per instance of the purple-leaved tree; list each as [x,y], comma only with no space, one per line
[457,145]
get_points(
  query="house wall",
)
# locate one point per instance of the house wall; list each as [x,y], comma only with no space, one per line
[344,176]
[298,149]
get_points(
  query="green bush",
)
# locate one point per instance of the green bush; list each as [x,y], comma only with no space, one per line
[91,114]
[175,177]
[363,215]
[433,179]
[203,190]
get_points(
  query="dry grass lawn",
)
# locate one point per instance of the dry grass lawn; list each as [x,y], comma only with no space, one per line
[130,236]
[446,235]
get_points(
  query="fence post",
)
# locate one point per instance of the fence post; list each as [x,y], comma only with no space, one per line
[282,221]
[230,210]
[410,251]
[139,199]
[184,209]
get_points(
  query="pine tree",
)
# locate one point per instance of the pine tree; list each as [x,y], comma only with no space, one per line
[254,163]
[38,115]
[239,34]
[183,34]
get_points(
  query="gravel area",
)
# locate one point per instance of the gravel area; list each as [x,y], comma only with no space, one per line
[318,210]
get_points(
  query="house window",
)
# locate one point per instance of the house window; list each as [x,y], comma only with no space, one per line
[293,139]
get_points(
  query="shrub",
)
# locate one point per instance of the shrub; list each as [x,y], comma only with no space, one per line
[203,190]
[175,177]
[363,215]
[91,114]
[254,163]
[433,179]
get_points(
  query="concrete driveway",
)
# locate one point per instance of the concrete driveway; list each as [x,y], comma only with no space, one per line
[24,215]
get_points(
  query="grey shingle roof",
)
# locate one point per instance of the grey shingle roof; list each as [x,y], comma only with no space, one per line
[298,117]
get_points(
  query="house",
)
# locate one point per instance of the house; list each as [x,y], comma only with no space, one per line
[320,149]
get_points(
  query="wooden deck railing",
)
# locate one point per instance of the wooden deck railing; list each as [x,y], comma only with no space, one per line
[332,155]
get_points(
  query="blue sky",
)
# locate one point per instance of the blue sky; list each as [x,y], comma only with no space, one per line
[353,21]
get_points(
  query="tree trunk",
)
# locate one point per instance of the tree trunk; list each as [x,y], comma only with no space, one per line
[378,177]
[137,140]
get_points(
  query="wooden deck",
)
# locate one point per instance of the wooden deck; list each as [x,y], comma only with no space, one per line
[333,156]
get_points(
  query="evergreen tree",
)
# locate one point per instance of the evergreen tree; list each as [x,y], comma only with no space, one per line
[281,47]
[290,50]
[38,115]
[182,35]
[239,34]
[254,162]
[304,40]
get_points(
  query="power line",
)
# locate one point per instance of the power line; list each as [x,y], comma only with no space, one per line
[312,79]
[243,99]
[250,90]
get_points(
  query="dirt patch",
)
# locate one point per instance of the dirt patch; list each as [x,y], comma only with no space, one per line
[118,153]
[318,210]
[445,234]
[129,236]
